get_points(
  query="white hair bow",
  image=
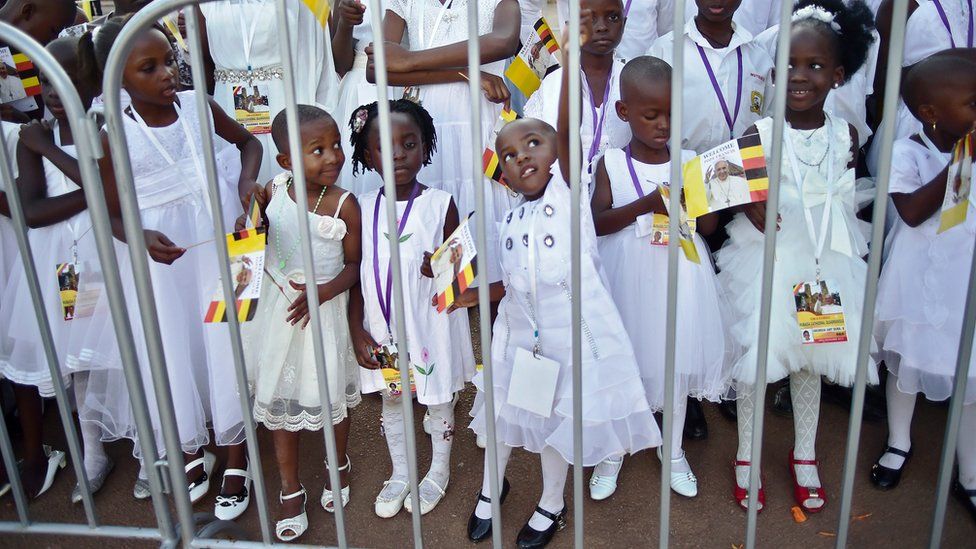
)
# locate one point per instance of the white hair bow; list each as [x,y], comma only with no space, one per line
[817,13]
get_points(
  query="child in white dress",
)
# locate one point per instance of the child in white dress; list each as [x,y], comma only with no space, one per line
[625,202]
[162,131]
[278,344]
[812,246]
[438,344]
[919,336]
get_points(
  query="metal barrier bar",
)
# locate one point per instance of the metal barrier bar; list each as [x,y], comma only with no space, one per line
[112,84]
[242,544]
[87,145]
[573,65]
[226,278]
[311,283]
[13,474]
[775,153]
[866,335]
[670,347]
[81,530]
[389,189]
[484,298]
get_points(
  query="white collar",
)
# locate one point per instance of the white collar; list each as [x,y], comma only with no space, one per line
[740,35]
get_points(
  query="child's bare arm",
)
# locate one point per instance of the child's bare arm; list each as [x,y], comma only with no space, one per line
[41,210]
[251,153]
[562,122]
[609,220]
[916,207]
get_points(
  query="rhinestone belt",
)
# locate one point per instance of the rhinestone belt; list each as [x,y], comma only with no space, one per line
[270,72]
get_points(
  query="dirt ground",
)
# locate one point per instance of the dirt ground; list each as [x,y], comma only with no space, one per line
[628,519]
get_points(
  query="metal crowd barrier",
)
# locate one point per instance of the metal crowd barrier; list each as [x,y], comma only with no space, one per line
[185,530]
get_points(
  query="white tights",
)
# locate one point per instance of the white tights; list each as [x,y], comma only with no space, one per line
[95,457]
[554,469]
[441,439]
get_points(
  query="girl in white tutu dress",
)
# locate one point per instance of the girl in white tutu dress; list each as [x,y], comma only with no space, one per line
[925,276]
[439,344]
[279,344]
[634,253]
[533,409]
[818,244]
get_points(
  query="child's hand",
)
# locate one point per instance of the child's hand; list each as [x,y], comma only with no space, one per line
[351,11]
[586,31]
[161,249]
[425,268]
[363,345]
[397,57]
[241,223]
[467,298]
[249,189]
[37,135]
[298,310]
[756,212]
[494,88]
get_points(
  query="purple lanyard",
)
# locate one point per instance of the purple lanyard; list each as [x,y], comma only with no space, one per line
[627,8]
[633,173]
[598,123]
[385,300]
[945,23]
[729,119]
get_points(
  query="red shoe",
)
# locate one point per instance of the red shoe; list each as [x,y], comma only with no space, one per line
[741,494]
[802,493]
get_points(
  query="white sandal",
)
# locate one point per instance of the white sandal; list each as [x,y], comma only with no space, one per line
[604,486]
[327,492]
[686,483]
[426,506]
[201,486]
[233,506]
[389,507]
[55,460]
[297,524]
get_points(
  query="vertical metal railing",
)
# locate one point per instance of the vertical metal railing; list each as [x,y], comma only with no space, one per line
[866,334]
[389,190]
[87,143]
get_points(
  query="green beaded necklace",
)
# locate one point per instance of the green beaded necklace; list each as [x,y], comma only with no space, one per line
[283,261]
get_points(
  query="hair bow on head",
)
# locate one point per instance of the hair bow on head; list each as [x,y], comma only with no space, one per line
[360,120]
[816,13]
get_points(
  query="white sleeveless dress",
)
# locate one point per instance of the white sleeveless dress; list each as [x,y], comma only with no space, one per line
[637,274]
[280,357]
[440,343]
[172,200]
[617,419]
[22,357]
[740,262]
[9,253]
[922,291]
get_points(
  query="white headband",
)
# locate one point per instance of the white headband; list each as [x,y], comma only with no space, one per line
[817,13]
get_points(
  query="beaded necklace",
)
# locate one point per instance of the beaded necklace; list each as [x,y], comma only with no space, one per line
[283,261]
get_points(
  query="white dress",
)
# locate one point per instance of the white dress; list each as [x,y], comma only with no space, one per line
[9,253]
[448,104]
[231,25]
[171,191]
[280,357]
[637,272]
[440,343]
[922,291]
[22,359]
[617,419]
[740,261]
[615,133]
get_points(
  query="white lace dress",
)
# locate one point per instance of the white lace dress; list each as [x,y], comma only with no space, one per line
[280,357]
[740,261]
[922,291]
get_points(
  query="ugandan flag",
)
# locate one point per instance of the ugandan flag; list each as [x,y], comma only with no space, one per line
[489,159]
[32,86]
[320,9]
[239,243]
[536,57]
[754,163]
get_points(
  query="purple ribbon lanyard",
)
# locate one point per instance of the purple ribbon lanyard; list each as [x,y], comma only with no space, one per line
[945,23]
[598,123]
[633,173]
[729,118]
[385,299]
[627,8]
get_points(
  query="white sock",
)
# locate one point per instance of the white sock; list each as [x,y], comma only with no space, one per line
[745,406]
[441,439]
[483,509]
[95,457]
[805,390]
[396,442]
[554,470]
[966,448]
[678,463]
[609,467]
[143,472]
[901,408]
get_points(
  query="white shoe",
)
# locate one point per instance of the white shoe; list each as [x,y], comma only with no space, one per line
[201,486]
[231,507]
[141,489]
[684,484]
[426,506]
[327,497]
[389,507]
[481,441]
[95,482]
[297,524]
[55,461]
[603,486]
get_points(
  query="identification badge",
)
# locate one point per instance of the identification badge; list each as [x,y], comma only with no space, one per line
[819,312]
[533,384]
[252,108]
[68,279]
[388,357]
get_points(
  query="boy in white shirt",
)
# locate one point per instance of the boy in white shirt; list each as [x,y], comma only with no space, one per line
[646,21]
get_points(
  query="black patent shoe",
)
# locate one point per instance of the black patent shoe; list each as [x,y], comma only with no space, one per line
[530,538]
[695,427]
[887,478]
[479,529]
[965,495]
[783,402]
[729,410]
